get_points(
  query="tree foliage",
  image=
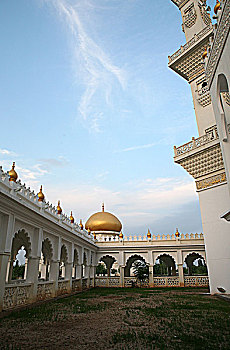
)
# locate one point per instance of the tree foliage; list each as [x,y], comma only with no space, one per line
[141,271]
[18,271]
[101,270]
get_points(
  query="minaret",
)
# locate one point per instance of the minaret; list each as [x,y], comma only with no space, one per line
[202,157]
[188,60]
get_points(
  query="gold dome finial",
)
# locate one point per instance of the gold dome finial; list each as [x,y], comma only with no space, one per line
[89,231]
[121,235]
[149,234]
[217,6]
[59,209]
[205,53]
[80,225]
[12,173]
[71,218]
[177,234]
[40,195]
[103,207]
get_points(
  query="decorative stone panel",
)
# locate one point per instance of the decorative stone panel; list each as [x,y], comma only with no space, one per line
[190,16]
[211,181]
[16,296]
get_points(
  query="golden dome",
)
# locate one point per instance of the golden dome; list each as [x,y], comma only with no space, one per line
[205,53]
[59,209]
[217,7]
[103,221]
[71,218]
[12,173]
[41,196]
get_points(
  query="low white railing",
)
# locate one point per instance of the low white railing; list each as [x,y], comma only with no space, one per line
[210,136]
[196,281]
[168,237]
[172,281]
[107,281]
[191,42]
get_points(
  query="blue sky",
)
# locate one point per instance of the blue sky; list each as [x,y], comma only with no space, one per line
[90,110]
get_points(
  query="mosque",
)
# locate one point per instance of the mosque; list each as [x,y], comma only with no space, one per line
[61,256]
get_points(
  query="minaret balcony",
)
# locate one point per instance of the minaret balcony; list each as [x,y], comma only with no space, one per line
[202,159]
[187,61]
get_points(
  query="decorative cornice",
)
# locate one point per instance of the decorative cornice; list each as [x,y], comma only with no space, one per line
[211,181]
[219,42]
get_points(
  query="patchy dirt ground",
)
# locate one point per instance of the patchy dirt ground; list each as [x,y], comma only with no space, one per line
[121,319]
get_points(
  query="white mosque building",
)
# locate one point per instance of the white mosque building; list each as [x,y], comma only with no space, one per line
[61,255]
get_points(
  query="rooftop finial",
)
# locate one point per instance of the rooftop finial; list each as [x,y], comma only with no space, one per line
[41,196]
[149,234]
[71,218]
[103,207]
[177,234]
[12,173]
[59,209]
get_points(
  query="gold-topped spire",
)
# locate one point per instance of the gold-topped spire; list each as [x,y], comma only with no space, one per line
[217,6]
[205,53]
[59,209]
[94,236]
[121,235]
[40,195]
[149,234]
[71,218]
[103,207]
[177,234]
[81,225]
[12,173]
[89,231]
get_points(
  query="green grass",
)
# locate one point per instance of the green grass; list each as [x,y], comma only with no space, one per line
[164,318]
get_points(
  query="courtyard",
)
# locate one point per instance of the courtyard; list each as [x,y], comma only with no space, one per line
[121,318]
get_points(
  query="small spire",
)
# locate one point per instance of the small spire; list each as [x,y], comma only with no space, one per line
[205,53]
[89,231]
[40,195]
[12,173]
[59,209]
[81,225]
[71,218]
[94,236]
[103,207]
[121,235]
[217,6]
[177,234]
[149,234]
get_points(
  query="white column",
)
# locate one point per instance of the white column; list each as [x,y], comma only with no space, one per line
[32,276]
[6,230]
[181,274]
[54,274]
[151,280]
[122,276]
[68,275]
[180,267]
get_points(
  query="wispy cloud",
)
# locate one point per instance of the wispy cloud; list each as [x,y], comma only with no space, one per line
[98,72]
[59,162]
[7,152]
[139,205]
[134,148]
